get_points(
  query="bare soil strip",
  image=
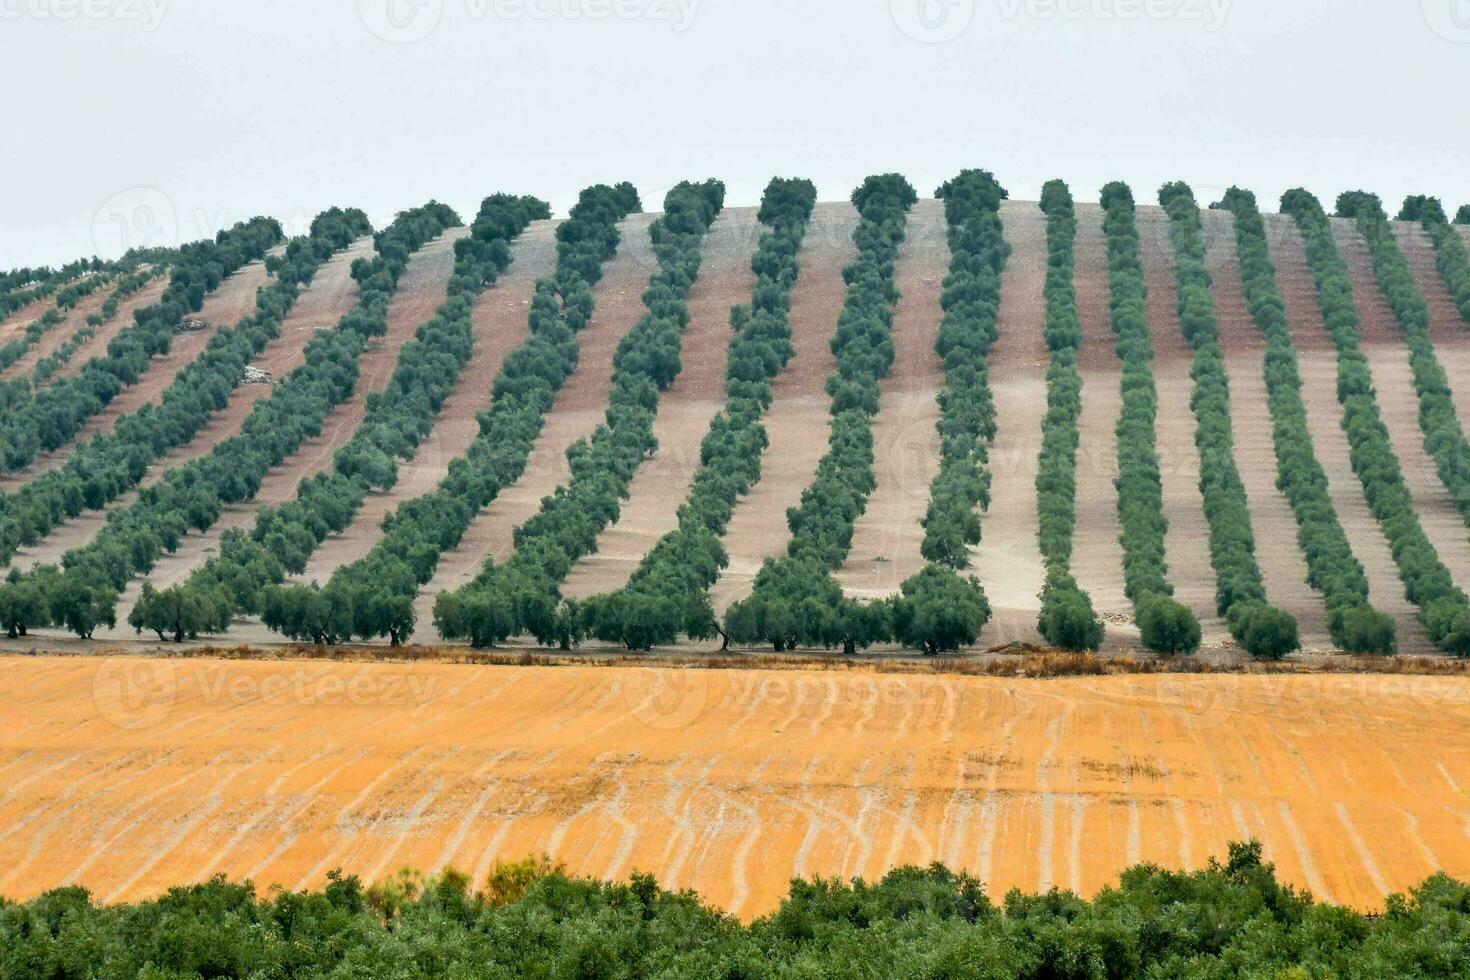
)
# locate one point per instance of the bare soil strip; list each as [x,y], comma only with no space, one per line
[331,294]
[797,421]
[76,318]
[728,782]
[576,412]
[887,537]
[1186,545]
[234,298]
[421,289]
[1008,561]
[662,483]
[500,325]
[1318,363]
[1388,357]
[1283,567]
[1097,560]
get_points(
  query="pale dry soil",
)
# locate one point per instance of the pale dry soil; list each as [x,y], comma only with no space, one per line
[1008,560]
[132,775]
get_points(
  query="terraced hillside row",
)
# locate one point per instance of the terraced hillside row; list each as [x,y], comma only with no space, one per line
[1129,426]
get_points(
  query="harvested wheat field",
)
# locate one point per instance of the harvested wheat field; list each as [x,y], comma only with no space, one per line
[130,775]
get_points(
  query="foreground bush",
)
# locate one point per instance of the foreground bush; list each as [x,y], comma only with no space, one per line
[1230,919]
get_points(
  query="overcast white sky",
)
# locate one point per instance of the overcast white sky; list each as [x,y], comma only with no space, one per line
[164,119]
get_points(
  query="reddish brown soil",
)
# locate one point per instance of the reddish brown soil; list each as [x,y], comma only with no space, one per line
[1097,559]
[420,291]
[331,294]
[76,318]
[1008,561]
[1318,364]
[887,537]
[226,305]
[131,776]
[576,413]
[1388,357]
[500,325]
[1445,322]
[1283,568]
[685,410]
[1186,544]
[797,422]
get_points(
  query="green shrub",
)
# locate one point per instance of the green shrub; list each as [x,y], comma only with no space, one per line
[1166,625]
[1067,618]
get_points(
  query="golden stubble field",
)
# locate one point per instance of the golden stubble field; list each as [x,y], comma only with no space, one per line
[128,775]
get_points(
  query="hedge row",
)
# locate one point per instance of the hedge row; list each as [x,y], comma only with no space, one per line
[1232,917]
[1067,618]
[1331,567]
[1240,593]
[106,466]
[1165,625]
[52,416]
[192,495]
[796,601]
[971,300]
[1444,438]
[668,594]
[397,419]
[523,595]
[126,286]
[419,530]
[1443,608]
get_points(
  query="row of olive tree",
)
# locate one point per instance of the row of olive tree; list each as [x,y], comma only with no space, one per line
[51,417]
[397,419]
[1067,618]
[67,299]
[523,595]
[192,495]
[24,286]
[967,330]
[1332,569]
[1240,593]
[1166,626]
[421,529]
[795,600]
[104,467]
[1443,608]
[126,286]
[667,596]
[1444,438]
